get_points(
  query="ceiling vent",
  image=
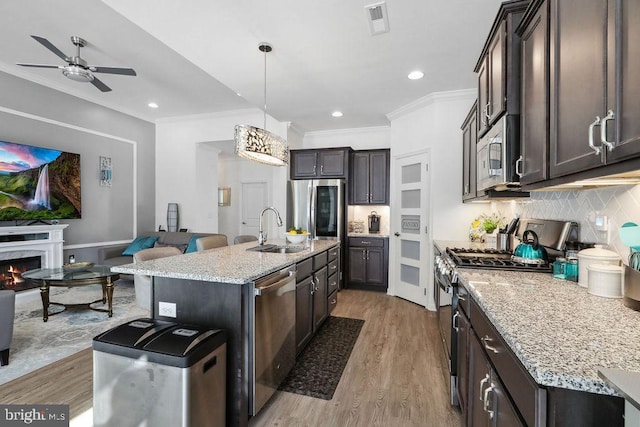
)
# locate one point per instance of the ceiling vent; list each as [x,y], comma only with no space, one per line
[377,17]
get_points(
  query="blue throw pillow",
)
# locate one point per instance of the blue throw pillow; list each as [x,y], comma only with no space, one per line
[191,247]
[140,243]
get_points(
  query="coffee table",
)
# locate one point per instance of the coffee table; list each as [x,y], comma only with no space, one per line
[95,275]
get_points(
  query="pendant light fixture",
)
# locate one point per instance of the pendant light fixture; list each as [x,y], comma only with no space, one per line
[258,144]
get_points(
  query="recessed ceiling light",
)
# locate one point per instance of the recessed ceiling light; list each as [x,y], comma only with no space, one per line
[415,75]
[337,114]
[152,105]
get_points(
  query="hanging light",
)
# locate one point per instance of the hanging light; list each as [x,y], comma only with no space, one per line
[258,144]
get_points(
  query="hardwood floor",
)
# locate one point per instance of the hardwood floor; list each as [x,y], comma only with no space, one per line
[395,375]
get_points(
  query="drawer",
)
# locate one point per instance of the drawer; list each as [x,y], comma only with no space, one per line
[528,397]
[377,242]
[304,268]
[333,253]
[332,283]
[319,261]
[332,301]
[333,267]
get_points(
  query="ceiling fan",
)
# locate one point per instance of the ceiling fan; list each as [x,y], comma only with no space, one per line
[77,68]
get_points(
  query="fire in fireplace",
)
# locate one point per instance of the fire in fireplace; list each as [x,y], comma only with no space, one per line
[11,270]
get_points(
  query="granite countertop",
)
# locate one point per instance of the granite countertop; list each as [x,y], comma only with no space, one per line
[560,333]
[367,235]
[229,264]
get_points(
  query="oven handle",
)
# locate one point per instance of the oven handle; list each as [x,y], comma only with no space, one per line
[454,321]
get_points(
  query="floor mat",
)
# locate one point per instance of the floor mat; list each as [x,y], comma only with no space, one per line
[319,367]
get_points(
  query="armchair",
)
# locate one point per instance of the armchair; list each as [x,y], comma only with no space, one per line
[7,314]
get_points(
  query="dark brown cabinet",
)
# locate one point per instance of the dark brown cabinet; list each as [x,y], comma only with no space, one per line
[469,142]
[463,327]
[312,293]
[369,178]
[498,68]
[534,127]
[368,263]
[593,94]
[325,163]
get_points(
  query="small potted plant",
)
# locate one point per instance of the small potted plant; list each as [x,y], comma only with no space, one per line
[490,223]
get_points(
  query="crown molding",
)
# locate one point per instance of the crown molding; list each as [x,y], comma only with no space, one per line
[348,131]
[432,98]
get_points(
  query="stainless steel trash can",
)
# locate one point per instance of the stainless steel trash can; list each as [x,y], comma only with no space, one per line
[157,373]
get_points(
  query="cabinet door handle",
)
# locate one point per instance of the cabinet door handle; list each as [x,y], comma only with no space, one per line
[461,298]
[367,253]
[314,169]
[482,383]
[595,123]
[486,401]
[454,321]
[487,114]
[519,162]
[321,169]
[313,286]
[603,130]
[487,347]
[333,301]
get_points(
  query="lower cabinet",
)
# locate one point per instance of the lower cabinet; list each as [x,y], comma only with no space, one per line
[496,390]
[368,259]
[314,293]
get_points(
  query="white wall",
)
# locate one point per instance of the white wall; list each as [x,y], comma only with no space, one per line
[359,139]
[187,166]
[433,123]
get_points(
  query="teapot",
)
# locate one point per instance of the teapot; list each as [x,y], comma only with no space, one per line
[529,251]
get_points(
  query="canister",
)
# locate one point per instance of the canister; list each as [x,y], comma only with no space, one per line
[590,256]
[605,280]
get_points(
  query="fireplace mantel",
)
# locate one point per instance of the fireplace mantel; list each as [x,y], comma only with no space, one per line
[29,240]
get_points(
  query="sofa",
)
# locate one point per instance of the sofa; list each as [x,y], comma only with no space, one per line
[7,313]
[113,255]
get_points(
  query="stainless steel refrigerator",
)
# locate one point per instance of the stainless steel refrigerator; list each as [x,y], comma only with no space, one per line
[319,207]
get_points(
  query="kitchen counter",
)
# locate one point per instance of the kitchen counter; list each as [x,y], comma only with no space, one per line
[230,264]
[560,333]
[367,235]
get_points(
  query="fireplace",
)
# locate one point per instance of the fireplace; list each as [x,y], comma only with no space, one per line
[11,269]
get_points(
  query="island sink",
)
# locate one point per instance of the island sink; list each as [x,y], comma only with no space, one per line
[277,249]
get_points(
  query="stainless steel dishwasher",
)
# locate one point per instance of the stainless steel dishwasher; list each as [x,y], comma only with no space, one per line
[274,338]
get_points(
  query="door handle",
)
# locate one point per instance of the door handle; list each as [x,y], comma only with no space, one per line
[603,130]
[519,162]
[454,321]
[396,234]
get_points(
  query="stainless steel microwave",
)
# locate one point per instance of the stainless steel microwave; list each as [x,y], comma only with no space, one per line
[497,153]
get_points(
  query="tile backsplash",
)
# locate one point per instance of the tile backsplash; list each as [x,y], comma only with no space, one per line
[619,204]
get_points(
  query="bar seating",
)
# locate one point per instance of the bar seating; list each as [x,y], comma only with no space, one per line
[211,242]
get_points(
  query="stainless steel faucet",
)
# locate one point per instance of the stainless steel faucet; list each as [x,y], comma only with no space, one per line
[262,236]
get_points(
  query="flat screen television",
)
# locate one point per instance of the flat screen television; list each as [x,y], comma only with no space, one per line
[38,183]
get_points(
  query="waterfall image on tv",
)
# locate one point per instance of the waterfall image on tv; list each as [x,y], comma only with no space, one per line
[38,183]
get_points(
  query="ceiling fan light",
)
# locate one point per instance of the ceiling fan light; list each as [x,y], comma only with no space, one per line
[77,74]
[260,145]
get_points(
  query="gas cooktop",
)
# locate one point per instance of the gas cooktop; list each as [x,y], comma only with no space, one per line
[492,259]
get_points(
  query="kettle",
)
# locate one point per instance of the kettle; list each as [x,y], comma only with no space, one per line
[529,251]
[374,222]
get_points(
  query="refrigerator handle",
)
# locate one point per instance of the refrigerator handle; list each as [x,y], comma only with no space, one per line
[313,194]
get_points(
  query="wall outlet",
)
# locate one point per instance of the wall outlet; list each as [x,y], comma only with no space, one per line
[167,309]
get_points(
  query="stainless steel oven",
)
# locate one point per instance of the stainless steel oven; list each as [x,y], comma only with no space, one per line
[445,281]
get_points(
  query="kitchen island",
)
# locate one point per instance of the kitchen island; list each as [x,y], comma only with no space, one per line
[216,288]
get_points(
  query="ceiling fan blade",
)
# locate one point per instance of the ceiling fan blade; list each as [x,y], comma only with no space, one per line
[40,65]
[98,83]
[113,70]
[46,43]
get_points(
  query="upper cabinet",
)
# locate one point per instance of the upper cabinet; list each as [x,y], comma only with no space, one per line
[589,71]
[469,141]
[499,67]
[318,164]
[369,178]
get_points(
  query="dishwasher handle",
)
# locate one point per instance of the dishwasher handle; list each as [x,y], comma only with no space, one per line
[273,283]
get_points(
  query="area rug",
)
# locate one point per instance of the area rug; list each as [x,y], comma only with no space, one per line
[319,367]
[36,344]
